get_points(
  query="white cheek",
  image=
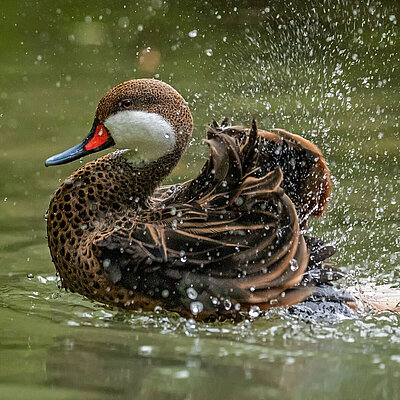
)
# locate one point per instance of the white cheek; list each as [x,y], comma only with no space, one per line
[148,135]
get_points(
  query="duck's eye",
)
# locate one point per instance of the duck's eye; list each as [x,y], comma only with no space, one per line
[126,103]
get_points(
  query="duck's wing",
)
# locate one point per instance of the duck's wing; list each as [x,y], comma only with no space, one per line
[306,177]
[227,241]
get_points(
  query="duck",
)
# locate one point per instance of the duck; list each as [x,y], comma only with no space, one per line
[230,242]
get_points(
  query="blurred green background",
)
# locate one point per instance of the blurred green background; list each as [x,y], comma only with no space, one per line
[326,70]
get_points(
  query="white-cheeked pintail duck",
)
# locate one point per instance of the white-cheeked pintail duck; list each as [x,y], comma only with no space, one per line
[229,241]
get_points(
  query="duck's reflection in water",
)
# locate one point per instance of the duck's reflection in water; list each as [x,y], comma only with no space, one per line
[156,367]
[148,365]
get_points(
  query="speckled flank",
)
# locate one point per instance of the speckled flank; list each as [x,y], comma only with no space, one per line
[89,202]
[84,208]
[231,235]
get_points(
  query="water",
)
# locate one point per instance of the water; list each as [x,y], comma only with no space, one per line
[327,72]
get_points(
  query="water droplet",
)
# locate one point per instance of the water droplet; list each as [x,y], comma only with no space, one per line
[214,300]
[193,33]
[30,276]
[254,311]
[227,304]
[192,293]
[239,201]
[294,265]
[182,255]
[209,52]
[123,22]
[184,374]
[165,293]
[196,307]
[190,325]
[145,350]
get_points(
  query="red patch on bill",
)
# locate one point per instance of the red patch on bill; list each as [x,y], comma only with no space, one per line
[100,137]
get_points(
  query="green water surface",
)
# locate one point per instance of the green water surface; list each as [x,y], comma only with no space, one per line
[328,70]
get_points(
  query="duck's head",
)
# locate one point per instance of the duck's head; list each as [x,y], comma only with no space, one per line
[145,116]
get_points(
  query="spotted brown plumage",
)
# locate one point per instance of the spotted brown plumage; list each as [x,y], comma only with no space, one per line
[213,247]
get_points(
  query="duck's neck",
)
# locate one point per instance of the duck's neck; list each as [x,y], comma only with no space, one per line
[136,179]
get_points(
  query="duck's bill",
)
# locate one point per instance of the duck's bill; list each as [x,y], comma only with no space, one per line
[97,140]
